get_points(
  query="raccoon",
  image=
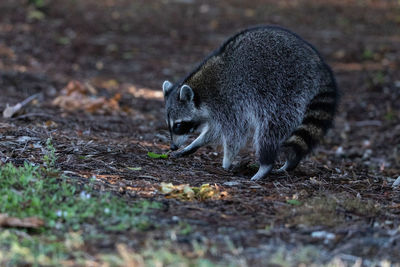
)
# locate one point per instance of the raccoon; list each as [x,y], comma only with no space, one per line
[264,83]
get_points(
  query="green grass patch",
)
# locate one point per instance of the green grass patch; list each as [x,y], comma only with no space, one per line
[18,248]
[71,213]
[328,210]
[27,191]
[156,257]
[76,219]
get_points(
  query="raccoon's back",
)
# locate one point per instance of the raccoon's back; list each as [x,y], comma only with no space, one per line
[272,62]
[264,70]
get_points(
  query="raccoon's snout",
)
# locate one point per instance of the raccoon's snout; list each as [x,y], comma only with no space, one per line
[174,147]
[185,127]
[177,141]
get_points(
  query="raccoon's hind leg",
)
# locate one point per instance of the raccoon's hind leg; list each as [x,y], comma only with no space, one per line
[232,147]
[293,153]
[266,150]
[267,156]
[317,120]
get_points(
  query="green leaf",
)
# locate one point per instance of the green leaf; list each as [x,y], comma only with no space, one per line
[36,15]
[157,156]
[64,40]
[294,202]
[37,3]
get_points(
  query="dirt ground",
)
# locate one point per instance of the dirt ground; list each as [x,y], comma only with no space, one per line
[123,50]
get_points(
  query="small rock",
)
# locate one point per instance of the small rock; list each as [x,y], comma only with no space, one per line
[366,143]
[339,151]
[323,235]
[204,8]
[367,154]
[167,71]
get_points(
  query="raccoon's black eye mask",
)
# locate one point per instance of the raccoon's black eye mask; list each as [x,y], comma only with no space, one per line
[184,127]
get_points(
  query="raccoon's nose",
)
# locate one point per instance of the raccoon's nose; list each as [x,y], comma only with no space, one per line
[174,147]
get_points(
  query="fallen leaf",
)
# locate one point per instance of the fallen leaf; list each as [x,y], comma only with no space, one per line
[166,188]
[186,192]
[77,96]
[29,222]
[50,124]
[157,156]
[294,202]
[36,15]
[111,84]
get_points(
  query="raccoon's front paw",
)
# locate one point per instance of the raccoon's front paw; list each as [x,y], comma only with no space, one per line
[176,154]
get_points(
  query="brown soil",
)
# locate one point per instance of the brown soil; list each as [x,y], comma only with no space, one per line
[131,47]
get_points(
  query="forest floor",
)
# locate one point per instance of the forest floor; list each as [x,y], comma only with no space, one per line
[97,67]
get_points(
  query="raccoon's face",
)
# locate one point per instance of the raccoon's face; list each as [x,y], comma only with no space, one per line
[182,116]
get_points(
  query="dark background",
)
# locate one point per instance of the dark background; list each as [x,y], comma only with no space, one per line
[124,50]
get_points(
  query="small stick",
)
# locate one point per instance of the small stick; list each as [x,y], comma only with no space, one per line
[11,110]
[32,115]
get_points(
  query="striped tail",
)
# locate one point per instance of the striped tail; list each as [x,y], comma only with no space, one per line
[318,118]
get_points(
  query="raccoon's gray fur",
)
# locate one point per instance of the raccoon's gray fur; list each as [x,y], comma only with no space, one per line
[264,82]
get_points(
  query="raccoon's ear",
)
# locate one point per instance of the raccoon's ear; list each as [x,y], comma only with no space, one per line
[166,87]
[186,93]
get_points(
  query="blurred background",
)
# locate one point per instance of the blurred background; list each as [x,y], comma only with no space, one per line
[133,46]
[144,42]
[94,70]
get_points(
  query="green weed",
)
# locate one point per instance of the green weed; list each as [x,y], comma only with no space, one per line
[18,248]
[35,12]
[328,210]
[37,3]
[49,157]
[155,257]
[26,191]
[65,207]
[368,54]
[185,228]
